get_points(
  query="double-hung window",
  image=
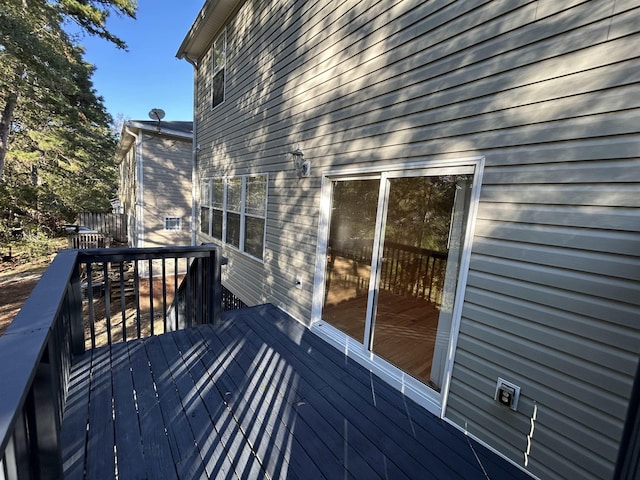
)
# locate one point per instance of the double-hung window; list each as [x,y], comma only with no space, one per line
[233,210]
[219,63]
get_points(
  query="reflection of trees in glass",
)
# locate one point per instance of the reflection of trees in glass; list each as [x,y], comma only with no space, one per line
[219,65]
[218,193]
[256,200]
[416,237]
[354,210]
[419,211]
[234,194]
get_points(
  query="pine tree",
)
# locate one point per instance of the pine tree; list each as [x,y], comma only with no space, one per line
[56,145]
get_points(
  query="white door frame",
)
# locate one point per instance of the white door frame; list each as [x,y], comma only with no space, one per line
[433,401]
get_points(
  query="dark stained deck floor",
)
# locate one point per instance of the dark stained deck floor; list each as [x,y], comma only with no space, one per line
[257,396]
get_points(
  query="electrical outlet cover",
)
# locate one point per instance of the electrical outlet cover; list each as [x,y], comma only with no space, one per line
[507,394]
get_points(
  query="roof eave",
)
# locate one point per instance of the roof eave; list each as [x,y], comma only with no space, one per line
[126,139]
[207,24]
[160,131]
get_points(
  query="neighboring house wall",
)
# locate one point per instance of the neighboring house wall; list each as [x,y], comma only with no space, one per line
[547,92]
[128,191]
[155,182]
[167,189]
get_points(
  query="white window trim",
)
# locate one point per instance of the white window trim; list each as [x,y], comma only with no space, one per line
[214,71]
[243,214]
[416,390]
[171,217]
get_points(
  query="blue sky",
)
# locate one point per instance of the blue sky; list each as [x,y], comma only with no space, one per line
[148,75]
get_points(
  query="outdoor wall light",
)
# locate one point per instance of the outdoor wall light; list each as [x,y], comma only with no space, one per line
[302,166]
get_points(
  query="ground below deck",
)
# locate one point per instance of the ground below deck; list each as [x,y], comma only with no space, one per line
[257,396]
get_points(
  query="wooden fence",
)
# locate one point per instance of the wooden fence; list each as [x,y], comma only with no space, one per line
[88,240]
[112,225]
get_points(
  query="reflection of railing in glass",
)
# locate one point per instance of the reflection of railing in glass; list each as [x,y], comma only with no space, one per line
[406,270]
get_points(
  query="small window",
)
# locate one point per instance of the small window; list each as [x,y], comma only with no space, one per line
[173,224]
[219,63]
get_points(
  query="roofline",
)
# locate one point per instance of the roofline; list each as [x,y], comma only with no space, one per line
[158,130]
[207,24]
[125,140]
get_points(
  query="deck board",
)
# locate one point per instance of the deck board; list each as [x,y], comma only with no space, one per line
[256,396]
[393,445]
[396,424]
[157,455]
[275,381]
[254,408]
[172,387]
[73,436]
[127,431]
[100,458]
[319,406]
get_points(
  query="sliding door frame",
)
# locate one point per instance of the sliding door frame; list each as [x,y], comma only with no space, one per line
[434,401]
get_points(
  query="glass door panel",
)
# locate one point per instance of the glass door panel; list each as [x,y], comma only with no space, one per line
[418,272]
[394,250]
[349,253]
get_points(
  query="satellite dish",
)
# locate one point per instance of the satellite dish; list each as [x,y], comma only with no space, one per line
[156,114]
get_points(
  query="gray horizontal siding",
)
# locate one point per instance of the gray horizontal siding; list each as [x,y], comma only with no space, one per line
[584,59]
[607,241]
[167,188]
[548,93]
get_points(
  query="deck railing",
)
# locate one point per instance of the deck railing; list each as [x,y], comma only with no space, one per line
[406,270]
[63,316]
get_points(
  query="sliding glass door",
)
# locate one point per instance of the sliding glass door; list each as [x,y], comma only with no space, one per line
[393,255]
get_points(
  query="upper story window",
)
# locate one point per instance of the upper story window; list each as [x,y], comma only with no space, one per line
[219,64]
[234,211]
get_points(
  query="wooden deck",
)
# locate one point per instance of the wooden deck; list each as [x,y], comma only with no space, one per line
[257,396]
[405,329]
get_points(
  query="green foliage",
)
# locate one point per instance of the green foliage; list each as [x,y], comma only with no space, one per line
[38,244]
[54,132]
[33,246]
[418,213]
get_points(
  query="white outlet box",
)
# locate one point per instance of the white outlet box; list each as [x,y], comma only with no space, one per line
[299,282]
[507,394]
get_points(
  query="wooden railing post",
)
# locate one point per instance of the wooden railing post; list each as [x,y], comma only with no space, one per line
[46,418]
[215,286]
[75,313]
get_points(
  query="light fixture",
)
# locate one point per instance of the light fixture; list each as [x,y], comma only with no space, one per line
[302,166]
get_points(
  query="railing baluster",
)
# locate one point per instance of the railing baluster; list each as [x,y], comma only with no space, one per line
[74,307]
[92,327]
[8,463]
[123,301]
[151,295]
[164,295]
[215,287]
[44,428]
[199,288]
[20,441]
[189,311]
[176,300]
[136,289]
[107,299]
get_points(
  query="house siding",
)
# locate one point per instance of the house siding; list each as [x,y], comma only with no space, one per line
[167,188]
[128,191]
[552,305]
[548,93]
